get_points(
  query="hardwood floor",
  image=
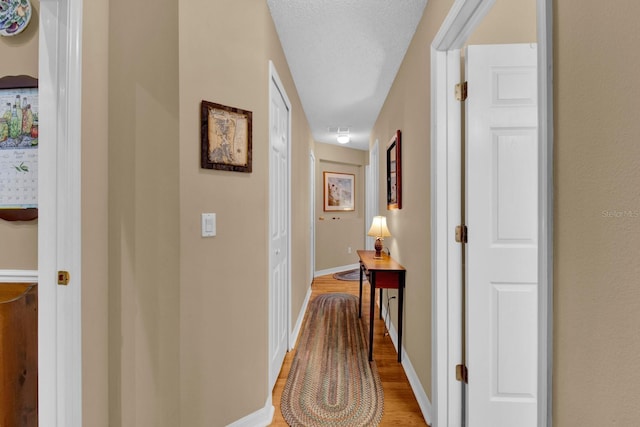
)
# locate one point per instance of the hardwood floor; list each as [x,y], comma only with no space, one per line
[400,405]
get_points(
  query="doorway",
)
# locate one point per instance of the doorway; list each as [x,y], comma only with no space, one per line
[448,392]
[279,224]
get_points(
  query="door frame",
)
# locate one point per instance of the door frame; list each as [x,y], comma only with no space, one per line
[446,195]
[59,224]
[312,216]
[275,79]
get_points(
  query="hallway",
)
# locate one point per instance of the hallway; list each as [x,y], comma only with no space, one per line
[400,405]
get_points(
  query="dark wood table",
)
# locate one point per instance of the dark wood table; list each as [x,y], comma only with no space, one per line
[383,273]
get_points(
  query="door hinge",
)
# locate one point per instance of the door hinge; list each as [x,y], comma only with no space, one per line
[63,278]
[461,234]
[461,91]
[462,373]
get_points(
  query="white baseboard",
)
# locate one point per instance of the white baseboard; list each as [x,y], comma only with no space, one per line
[261,418]
[412,376]
[335,270]
[18,276]
[298,326]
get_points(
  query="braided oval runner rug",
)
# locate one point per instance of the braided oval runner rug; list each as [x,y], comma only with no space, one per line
[331,382]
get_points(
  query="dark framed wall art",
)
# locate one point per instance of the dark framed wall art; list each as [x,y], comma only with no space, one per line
[225,134]
[394,173]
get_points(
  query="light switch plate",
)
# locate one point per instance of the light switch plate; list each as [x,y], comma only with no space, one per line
[208,224]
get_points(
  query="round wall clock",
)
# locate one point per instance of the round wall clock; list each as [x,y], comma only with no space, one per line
[14,16]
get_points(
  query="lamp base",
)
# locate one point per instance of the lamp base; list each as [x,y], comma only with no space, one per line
[378,248]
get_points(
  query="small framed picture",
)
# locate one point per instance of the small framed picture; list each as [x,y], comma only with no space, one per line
[394,173]
[339,191]
[225,134]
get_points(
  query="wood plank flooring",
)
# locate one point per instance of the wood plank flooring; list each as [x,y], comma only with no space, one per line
[400,405]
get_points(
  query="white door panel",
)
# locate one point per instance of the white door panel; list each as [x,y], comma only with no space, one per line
[278,230]
[501,212]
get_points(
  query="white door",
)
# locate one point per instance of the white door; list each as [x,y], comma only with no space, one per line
[501,206]
[279,112]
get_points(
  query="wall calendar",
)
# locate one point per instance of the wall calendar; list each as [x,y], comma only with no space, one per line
[18,148]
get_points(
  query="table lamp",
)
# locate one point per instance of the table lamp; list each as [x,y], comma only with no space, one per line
[379,230]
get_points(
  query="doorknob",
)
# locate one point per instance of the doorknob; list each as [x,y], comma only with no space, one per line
[277,251]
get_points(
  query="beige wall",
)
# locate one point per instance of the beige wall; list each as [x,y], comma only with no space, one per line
[408,108]
[19,53]
[95,208]
[144,213]
[508,21]
[223,366]
[224,52]
[596,205]
[597,213]
[174,325]
[337,231]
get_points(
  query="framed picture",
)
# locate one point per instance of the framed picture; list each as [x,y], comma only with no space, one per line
[225,134]
[18,148]
[394,173]
[339,191]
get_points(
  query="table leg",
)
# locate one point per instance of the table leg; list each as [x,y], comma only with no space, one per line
[372,304]
[381,303]
[400,304]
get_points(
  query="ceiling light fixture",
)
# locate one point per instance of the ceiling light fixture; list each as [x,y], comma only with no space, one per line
[343,135]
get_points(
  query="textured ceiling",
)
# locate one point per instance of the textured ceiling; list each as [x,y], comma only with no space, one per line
[344,56]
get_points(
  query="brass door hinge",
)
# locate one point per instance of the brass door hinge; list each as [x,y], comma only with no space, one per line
[461,234]
[462,373]
[461,91]
[63,278]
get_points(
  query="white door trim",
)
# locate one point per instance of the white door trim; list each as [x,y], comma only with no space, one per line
[545,210]
[59,224]
[312,216]
[463,17]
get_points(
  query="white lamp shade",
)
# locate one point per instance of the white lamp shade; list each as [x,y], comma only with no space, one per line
[379,227]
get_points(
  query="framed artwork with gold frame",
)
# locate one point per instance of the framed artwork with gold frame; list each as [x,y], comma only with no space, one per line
[339,191]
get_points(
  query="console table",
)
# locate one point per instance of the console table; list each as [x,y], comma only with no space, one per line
[383,273]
